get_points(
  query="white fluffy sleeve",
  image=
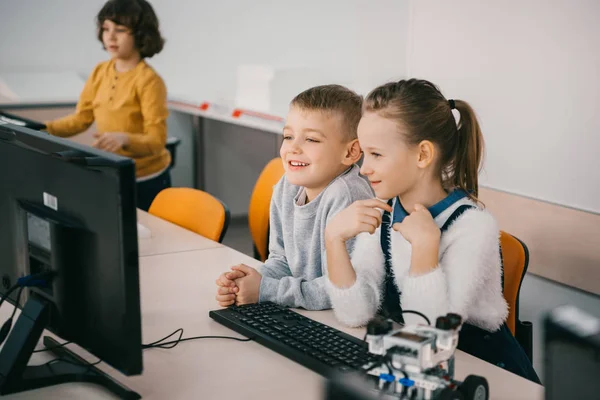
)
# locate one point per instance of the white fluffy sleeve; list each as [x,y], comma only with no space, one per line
[468,270]
[357,304]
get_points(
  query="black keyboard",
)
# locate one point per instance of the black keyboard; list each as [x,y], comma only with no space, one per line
[318,347]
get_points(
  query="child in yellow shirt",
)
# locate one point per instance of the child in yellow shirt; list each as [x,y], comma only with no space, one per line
[126,97]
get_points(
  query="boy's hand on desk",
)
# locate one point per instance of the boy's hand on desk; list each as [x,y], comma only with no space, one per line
[110,141]
[228,278]
[226,287]
[249,285]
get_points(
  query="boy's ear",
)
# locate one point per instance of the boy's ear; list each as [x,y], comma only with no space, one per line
[426,154]
[353,153]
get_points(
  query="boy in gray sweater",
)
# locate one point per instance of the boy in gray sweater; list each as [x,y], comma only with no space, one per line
[319,152]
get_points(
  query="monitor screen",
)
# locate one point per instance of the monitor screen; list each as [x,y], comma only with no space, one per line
[70,210]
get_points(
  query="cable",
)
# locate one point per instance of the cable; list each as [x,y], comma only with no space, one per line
[8,293]
[165,345]
[5,330]
[161,344]
[377,363]
[417,313]
[39,279]
[77,364]
[17,302]
[52,348]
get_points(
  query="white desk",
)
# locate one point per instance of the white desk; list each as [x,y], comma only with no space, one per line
[177,291]
[248,119]
[166,237]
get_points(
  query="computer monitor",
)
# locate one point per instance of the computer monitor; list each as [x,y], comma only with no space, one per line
[69,210]
[6,118]
[572,353]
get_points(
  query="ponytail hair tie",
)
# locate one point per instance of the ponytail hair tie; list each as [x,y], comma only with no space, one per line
[452,105]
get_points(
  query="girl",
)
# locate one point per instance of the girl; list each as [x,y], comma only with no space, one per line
[439,253]
[126,97]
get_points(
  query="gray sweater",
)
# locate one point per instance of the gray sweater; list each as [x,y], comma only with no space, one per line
[295,273]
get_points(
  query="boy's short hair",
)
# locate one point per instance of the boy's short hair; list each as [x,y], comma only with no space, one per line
[333,98]
[137,15]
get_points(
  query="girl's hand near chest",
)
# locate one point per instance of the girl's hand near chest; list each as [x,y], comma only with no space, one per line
[360,216]
[420,230]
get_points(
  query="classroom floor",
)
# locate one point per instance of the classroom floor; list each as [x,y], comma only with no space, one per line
[538,295]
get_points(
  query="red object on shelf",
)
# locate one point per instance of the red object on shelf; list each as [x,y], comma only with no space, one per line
[203,106]
[238,112]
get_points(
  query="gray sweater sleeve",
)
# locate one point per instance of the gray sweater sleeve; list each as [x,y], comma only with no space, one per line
[276,266]
[302,281]
[279,286]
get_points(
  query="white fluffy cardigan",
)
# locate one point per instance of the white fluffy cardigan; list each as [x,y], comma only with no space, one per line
[466,281]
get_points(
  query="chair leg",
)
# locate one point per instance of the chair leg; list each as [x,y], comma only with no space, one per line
[524,335]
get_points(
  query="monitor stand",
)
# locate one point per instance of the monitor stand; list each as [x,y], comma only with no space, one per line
[16,376]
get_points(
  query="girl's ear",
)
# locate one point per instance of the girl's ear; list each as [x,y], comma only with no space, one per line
[353,153]
[426,154]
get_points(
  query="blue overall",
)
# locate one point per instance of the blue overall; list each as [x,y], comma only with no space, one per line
[500,347]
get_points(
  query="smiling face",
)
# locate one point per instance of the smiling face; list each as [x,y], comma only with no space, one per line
[315,149]
[390,164]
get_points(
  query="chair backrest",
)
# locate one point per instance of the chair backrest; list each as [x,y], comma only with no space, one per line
[515,258]
[194,210]
[260,203]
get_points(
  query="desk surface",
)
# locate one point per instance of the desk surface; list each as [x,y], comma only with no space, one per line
[246,118]
[166,237]
[250,119]
[177,291]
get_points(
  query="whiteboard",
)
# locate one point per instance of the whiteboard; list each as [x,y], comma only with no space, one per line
[531,70]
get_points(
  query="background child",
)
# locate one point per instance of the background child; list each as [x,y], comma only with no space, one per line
[126,97]
[442,254]
[319,153]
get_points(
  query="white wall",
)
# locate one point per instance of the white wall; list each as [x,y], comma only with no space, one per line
[207,40]
[531,69]
[358,39]
[57,35]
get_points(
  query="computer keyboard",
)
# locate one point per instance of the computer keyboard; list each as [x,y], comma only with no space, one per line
[318,347]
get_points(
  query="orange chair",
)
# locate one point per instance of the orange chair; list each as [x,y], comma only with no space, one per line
[515,260]
[194,210]
[260,204]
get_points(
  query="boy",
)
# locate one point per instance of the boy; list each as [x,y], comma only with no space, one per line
[319,152]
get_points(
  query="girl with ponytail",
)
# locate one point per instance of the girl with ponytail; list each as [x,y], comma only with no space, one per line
[425,243]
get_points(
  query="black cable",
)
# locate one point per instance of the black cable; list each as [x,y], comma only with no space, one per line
[28,280]
[169,345]
[17,302]
[52,348]
[8,293]
[377,363]
[77,364]
[6,327]
[165,345]
[417,313]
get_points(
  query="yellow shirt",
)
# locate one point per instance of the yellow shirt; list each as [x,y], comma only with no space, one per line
[133,102]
